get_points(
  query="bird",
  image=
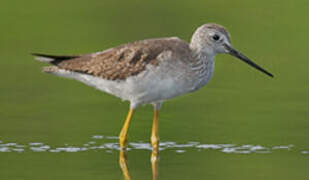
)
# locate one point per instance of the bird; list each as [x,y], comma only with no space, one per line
[149,71]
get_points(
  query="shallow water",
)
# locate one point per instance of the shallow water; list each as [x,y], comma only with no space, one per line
[109,144]
[43,156]
[242,125]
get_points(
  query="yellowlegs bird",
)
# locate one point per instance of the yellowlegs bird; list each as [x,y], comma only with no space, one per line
[149,71]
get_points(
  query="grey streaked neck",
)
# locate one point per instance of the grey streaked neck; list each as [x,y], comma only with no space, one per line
[203,65]
[202,53]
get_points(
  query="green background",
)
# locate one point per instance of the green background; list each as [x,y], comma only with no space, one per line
[239,105]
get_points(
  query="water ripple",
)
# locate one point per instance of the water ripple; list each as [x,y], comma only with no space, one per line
[101,142]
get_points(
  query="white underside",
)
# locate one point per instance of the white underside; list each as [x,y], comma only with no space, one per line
[153,85]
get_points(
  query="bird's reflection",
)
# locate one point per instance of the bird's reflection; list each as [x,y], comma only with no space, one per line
[124,164]
[123,158]
[154,164]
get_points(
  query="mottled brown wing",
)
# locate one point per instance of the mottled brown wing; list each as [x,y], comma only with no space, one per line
[127,60]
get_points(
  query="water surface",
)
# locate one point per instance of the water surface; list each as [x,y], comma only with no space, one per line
[242,125]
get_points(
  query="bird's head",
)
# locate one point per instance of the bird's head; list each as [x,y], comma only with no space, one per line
[212,39]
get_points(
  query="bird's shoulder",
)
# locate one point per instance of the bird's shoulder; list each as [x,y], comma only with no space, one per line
[130,59]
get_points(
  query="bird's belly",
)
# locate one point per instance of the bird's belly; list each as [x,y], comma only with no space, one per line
[158,84]
[154,91]
[145,88]
[135,89]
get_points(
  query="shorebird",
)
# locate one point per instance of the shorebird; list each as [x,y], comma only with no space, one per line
[149,71]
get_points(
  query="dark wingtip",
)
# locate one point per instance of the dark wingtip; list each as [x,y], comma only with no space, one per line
[52,58]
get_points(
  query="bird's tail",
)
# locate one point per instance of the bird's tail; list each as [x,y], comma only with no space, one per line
[51,58]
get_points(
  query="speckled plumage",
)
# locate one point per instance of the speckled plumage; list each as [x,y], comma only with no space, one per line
[149,71]
[127,60]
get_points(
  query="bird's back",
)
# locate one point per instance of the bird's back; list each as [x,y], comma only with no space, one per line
[127,60]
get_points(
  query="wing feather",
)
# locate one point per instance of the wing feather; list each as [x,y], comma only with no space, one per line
[127,60]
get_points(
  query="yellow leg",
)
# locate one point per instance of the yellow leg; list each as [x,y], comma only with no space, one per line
[123,137]
[155,164]
[124,165]
[155,145]
[155,131]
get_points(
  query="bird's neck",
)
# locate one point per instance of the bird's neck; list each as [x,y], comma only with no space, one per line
[203,66]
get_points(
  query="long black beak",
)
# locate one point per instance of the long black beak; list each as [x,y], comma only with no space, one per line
[242,57]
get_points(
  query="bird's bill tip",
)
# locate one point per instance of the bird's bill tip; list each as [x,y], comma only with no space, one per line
[232,51]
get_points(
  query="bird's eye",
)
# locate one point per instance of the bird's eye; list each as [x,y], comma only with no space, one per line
[216,37]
